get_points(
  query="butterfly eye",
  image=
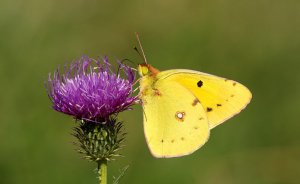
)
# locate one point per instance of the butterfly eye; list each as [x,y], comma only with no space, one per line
[145,70]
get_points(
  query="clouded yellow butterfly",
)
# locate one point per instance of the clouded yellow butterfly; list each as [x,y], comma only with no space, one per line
[181,106]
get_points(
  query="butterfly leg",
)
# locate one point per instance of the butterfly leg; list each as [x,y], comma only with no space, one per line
[156,92]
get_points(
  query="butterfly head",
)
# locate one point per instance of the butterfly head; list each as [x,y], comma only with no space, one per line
[146,69]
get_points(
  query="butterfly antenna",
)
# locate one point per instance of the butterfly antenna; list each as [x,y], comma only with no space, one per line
[137,50]
[138,39]
[127,60]
[122,62]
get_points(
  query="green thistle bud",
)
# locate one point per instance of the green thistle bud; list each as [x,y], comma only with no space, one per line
[99,141]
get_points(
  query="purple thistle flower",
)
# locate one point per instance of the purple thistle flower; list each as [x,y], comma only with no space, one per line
[90,90]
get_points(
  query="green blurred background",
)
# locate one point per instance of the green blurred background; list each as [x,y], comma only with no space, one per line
[254,42]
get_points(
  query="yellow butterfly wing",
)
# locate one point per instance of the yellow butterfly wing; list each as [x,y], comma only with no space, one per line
[173,126]
[221,98]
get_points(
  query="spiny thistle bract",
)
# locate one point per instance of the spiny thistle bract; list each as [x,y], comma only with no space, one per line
[99,141]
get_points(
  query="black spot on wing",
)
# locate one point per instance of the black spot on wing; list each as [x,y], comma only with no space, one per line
[219,105]
[209,109]
[199,83]
[194,103]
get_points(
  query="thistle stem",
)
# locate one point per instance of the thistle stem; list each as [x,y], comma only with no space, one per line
[102,171]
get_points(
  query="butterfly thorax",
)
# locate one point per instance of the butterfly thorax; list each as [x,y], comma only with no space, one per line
[148,79]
